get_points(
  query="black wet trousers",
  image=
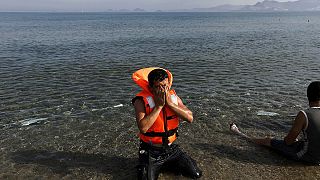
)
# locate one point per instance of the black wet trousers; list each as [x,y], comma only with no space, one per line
[154,159]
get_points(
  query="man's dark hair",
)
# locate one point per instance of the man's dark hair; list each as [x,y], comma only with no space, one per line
[313,92]
[156,75]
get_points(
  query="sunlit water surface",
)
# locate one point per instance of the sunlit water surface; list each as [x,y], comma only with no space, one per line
[66,89]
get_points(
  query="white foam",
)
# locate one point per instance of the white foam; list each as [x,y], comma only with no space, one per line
[266,113]
[119,105]
[101,109]
[116,106]
[30,121]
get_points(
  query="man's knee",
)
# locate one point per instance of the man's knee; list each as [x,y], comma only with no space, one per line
[197,173]
[189,166]
[193,170]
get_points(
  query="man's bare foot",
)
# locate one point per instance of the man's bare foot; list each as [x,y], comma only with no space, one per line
[234,128]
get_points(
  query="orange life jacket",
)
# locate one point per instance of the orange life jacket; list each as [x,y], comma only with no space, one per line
[164,129]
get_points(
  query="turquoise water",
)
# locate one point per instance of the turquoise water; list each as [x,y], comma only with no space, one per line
[66,88]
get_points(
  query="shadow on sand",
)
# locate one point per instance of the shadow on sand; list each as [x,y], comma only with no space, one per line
[63,162]
[258,155]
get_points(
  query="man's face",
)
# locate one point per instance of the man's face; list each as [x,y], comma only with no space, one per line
[161,85]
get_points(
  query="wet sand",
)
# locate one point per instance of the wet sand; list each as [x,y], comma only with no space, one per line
[46,152]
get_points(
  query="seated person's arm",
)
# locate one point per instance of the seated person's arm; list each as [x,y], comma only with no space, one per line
[298,125]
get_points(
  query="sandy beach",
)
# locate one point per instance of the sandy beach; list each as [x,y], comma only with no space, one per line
[53,154]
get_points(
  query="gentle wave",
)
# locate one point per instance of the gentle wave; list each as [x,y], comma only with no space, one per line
[266,113]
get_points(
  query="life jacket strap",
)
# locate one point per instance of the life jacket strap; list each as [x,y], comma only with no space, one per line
[171,117]
[161,134]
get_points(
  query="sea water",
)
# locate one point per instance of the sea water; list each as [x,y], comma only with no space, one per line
[66,89]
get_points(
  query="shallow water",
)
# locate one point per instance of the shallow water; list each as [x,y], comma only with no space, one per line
[66,88]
